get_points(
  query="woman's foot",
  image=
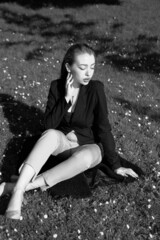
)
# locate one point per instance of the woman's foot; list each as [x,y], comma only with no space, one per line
[6,188]
[14,208]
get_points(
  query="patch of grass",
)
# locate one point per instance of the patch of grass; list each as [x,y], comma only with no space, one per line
[33,40]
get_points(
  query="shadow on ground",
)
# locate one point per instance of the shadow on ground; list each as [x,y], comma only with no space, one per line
[138,109]
[42,25]
[60,3]
[24,122]
[139,55]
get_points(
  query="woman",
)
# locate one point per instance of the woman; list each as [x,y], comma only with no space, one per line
[77,130]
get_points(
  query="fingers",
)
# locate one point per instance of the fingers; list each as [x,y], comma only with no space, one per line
[132,173]
[69,78]
[69,86]
[126,171]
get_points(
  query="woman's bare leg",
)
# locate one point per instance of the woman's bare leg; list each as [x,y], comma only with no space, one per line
[14,206]
[83,158]
[44,147]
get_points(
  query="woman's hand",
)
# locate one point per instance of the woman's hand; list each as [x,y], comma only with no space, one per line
[125,172]
[69,88]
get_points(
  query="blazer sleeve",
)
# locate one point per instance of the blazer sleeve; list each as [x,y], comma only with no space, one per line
[56,107]
[103,129]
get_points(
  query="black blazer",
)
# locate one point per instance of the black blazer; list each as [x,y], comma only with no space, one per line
[89,120]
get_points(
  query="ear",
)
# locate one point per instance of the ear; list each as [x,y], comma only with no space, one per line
[67,67]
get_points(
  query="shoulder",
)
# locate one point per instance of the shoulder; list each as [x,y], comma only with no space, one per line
[55,86]
[96,86]
[54,83]
[98,91]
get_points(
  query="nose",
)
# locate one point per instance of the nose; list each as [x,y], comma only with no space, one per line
[87,73]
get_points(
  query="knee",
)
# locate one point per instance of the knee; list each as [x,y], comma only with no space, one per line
[88,157]
[51,136]
[92,155]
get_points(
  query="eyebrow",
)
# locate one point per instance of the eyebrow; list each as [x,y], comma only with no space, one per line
[86,64]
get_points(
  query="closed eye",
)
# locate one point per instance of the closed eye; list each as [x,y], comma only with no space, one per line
[83,67]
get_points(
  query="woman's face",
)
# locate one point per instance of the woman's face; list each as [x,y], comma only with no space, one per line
[82,69]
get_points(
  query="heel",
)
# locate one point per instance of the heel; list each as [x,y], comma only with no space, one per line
[6,188]
[2,189]
[15,213]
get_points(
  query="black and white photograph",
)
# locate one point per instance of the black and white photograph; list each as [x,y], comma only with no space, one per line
[80,119]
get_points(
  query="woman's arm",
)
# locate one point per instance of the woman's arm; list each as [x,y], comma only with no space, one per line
[102,129]
[103,132]
[56,107]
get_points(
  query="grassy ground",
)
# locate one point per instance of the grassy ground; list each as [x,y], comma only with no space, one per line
[126,36]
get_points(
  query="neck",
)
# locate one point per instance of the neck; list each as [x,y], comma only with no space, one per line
[76,85]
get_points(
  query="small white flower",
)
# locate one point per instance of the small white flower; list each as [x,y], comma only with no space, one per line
[151,236]
[95,210]
[55,235]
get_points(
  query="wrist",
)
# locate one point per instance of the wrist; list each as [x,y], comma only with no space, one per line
[116,170]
